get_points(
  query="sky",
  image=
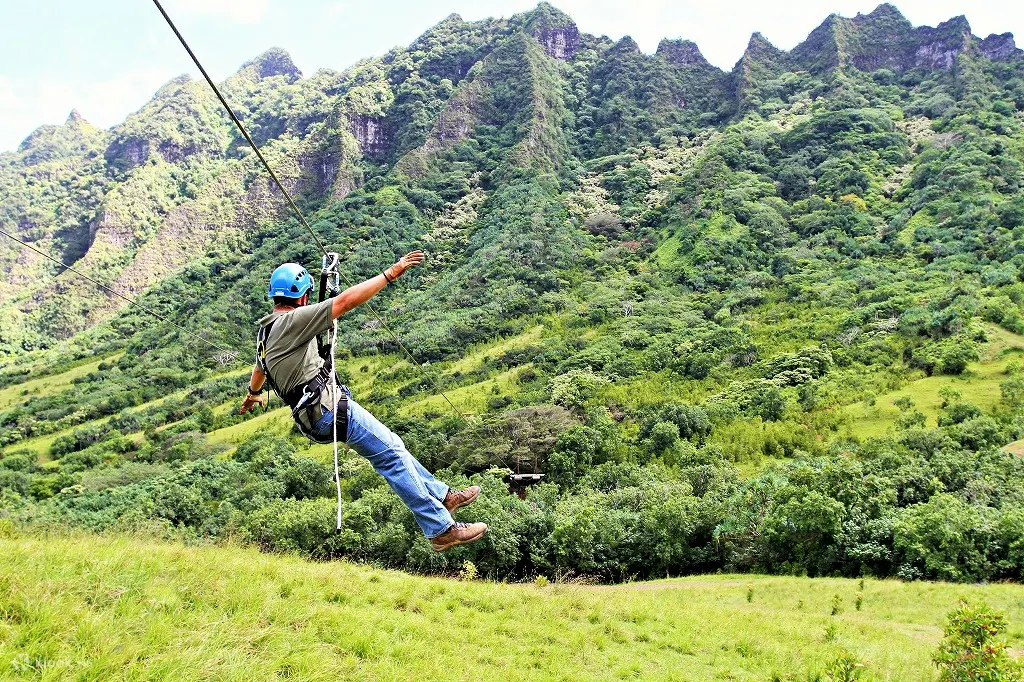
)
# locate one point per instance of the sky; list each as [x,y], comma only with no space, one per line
[106,58]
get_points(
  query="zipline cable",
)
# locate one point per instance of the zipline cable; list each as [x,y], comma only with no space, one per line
[130,300]
[291,202]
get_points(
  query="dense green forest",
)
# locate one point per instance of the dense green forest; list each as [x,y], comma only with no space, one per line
[770,319]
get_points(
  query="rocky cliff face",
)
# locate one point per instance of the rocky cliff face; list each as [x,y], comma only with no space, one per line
[938,47]
[559,43]
[885,39]
[1000,47]
[370,133]
[554,30]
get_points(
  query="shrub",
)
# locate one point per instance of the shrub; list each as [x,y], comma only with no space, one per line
[970,650]
[294,525]
[844,667]
[1012,391]
[664,435]
[604,224]
[574,388]
[909,420]
[944,538]
[957,413]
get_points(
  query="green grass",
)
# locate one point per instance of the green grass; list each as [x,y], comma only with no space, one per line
[478,353]
[666,254]
[277,419]
[978,385]
[40,445]
[128,608]
[467,399]
[49,385]
[919,219]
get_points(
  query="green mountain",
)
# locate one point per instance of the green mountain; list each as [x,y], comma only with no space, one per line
[766,319]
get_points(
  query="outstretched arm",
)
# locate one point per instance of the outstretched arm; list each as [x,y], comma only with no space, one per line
[359,294]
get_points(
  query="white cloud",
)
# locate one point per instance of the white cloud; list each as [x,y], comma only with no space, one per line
[240,11]
[104,103]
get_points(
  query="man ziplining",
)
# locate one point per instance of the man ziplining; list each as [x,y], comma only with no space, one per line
[287,355]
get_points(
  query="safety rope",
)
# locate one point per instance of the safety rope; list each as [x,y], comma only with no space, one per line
[330,276]
[287,195]
[334,425]
[129,299]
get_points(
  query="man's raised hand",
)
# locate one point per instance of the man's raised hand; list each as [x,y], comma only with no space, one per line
[407,261]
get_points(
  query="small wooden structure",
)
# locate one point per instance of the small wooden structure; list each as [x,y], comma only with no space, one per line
[518,483]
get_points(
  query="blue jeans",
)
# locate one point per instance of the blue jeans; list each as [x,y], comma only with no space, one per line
[418,489]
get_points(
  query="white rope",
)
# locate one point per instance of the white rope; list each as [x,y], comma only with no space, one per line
[334,426]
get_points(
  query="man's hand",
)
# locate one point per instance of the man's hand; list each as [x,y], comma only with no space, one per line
[404,263]
[252,401]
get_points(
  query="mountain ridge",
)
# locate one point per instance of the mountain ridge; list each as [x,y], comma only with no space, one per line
[182,127]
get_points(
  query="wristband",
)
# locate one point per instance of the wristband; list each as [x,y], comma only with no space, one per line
[390,281]
[254,393]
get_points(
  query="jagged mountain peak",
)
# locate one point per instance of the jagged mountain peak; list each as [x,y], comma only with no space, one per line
[758,45]
[273,62]
[759,49]
[173,86]
[958,23]
[47,142]
[886,10]
[681,53]
[452,20]
[554,30]
[885,18]
[626,45]
[545,15]
[999,46]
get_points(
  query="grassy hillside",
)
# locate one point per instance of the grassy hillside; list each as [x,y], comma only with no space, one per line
[763,321]
[127,608]
[51,384]
[979,385]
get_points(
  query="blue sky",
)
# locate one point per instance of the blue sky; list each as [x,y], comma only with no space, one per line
[107,57]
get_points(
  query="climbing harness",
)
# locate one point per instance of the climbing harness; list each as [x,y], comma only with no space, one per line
[305,399]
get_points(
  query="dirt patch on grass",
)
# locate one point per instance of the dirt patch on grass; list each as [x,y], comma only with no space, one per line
[1015,448]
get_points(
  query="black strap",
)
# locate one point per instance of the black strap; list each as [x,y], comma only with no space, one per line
[261,354]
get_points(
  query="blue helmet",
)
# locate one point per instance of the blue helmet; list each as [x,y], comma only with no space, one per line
[290,280]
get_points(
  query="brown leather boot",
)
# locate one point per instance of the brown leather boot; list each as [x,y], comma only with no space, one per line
[459,534]
[460,498]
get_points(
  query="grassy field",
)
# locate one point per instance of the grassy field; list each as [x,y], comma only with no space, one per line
[128,608]
[978,385]
[49,385]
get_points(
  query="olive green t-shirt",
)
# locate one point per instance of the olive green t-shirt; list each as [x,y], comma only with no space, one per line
[292,356]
